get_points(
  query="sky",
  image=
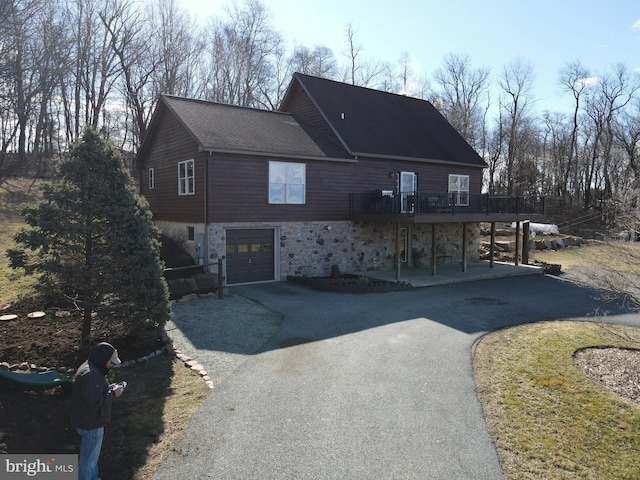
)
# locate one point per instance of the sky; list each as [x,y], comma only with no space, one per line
[548,34]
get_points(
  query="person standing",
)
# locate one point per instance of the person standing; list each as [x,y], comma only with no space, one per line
[91,402]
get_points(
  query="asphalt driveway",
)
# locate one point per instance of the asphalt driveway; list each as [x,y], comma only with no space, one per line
[365,386]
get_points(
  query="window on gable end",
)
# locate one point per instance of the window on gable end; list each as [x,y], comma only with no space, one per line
[186,178]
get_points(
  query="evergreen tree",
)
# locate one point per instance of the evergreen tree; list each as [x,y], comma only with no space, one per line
[93,241]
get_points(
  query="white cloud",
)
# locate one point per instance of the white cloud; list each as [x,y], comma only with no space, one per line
[636,25]
[588,81]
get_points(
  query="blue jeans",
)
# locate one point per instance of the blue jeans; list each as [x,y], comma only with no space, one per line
[90,446]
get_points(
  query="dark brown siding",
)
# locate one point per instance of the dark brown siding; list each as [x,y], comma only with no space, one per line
[173,144]
[302,106]
[239,187]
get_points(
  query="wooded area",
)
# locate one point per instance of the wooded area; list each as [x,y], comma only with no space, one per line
[66,64]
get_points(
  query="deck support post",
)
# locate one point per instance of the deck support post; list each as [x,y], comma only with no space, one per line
[517,260]
[398,250]
[492,248]
[433,249]
[464,247]
[525,242]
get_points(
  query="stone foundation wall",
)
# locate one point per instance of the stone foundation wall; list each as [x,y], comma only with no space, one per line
[311,248]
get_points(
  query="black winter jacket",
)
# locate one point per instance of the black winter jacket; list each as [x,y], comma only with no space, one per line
[91,399]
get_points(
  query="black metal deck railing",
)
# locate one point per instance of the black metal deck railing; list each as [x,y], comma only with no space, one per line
[417,203]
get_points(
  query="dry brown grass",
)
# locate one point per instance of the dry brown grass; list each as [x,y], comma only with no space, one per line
[160,399]
[614,255]
[550,420]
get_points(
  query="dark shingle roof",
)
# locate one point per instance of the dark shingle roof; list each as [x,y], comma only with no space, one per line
[227,128]
[375,123]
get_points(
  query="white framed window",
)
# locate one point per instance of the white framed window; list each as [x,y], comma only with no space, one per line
[287,182]
[186,178]
[459,189]
[152,179]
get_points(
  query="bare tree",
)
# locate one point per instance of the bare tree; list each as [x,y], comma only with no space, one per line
[25,49]
[574,78]
[178,48]
[606,101]
[360,71]
[32,40]
[627,133]
[494,143]
[95,66]
[318,62]
[461,89]
[241,52]
[129,32]
[516,83]
[274,90]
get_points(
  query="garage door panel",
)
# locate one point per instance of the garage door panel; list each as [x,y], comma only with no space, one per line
[250,255]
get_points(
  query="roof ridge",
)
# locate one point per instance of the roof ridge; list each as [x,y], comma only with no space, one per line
[221,104]
[371,89]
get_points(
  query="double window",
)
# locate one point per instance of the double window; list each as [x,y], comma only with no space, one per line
[287,182]
[186,178]
[459,189]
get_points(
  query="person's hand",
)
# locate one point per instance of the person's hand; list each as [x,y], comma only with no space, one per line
[116,389]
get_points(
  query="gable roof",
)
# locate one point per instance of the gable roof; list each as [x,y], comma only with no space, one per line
[218,127]
[379,124]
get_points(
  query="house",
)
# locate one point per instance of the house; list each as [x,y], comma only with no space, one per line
[341,175]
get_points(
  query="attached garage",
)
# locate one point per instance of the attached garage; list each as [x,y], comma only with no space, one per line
[250,255]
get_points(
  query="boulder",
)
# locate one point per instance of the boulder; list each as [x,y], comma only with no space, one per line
[181,286]
[540,244]
[205,282]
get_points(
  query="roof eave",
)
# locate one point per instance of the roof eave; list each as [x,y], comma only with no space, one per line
[278,155]
[416,159]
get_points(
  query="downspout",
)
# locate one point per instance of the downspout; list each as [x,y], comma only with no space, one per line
[206,213]
[398,250]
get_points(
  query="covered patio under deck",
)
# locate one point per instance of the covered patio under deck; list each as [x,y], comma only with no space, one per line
[520,210]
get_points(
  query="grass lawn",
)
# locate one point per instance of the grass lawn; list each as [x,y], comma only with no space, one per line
[13,195]
[614,255]
[549,420]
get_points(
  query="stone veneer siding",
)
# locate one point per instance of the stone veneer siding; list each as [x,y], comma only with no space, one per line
[311,248]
